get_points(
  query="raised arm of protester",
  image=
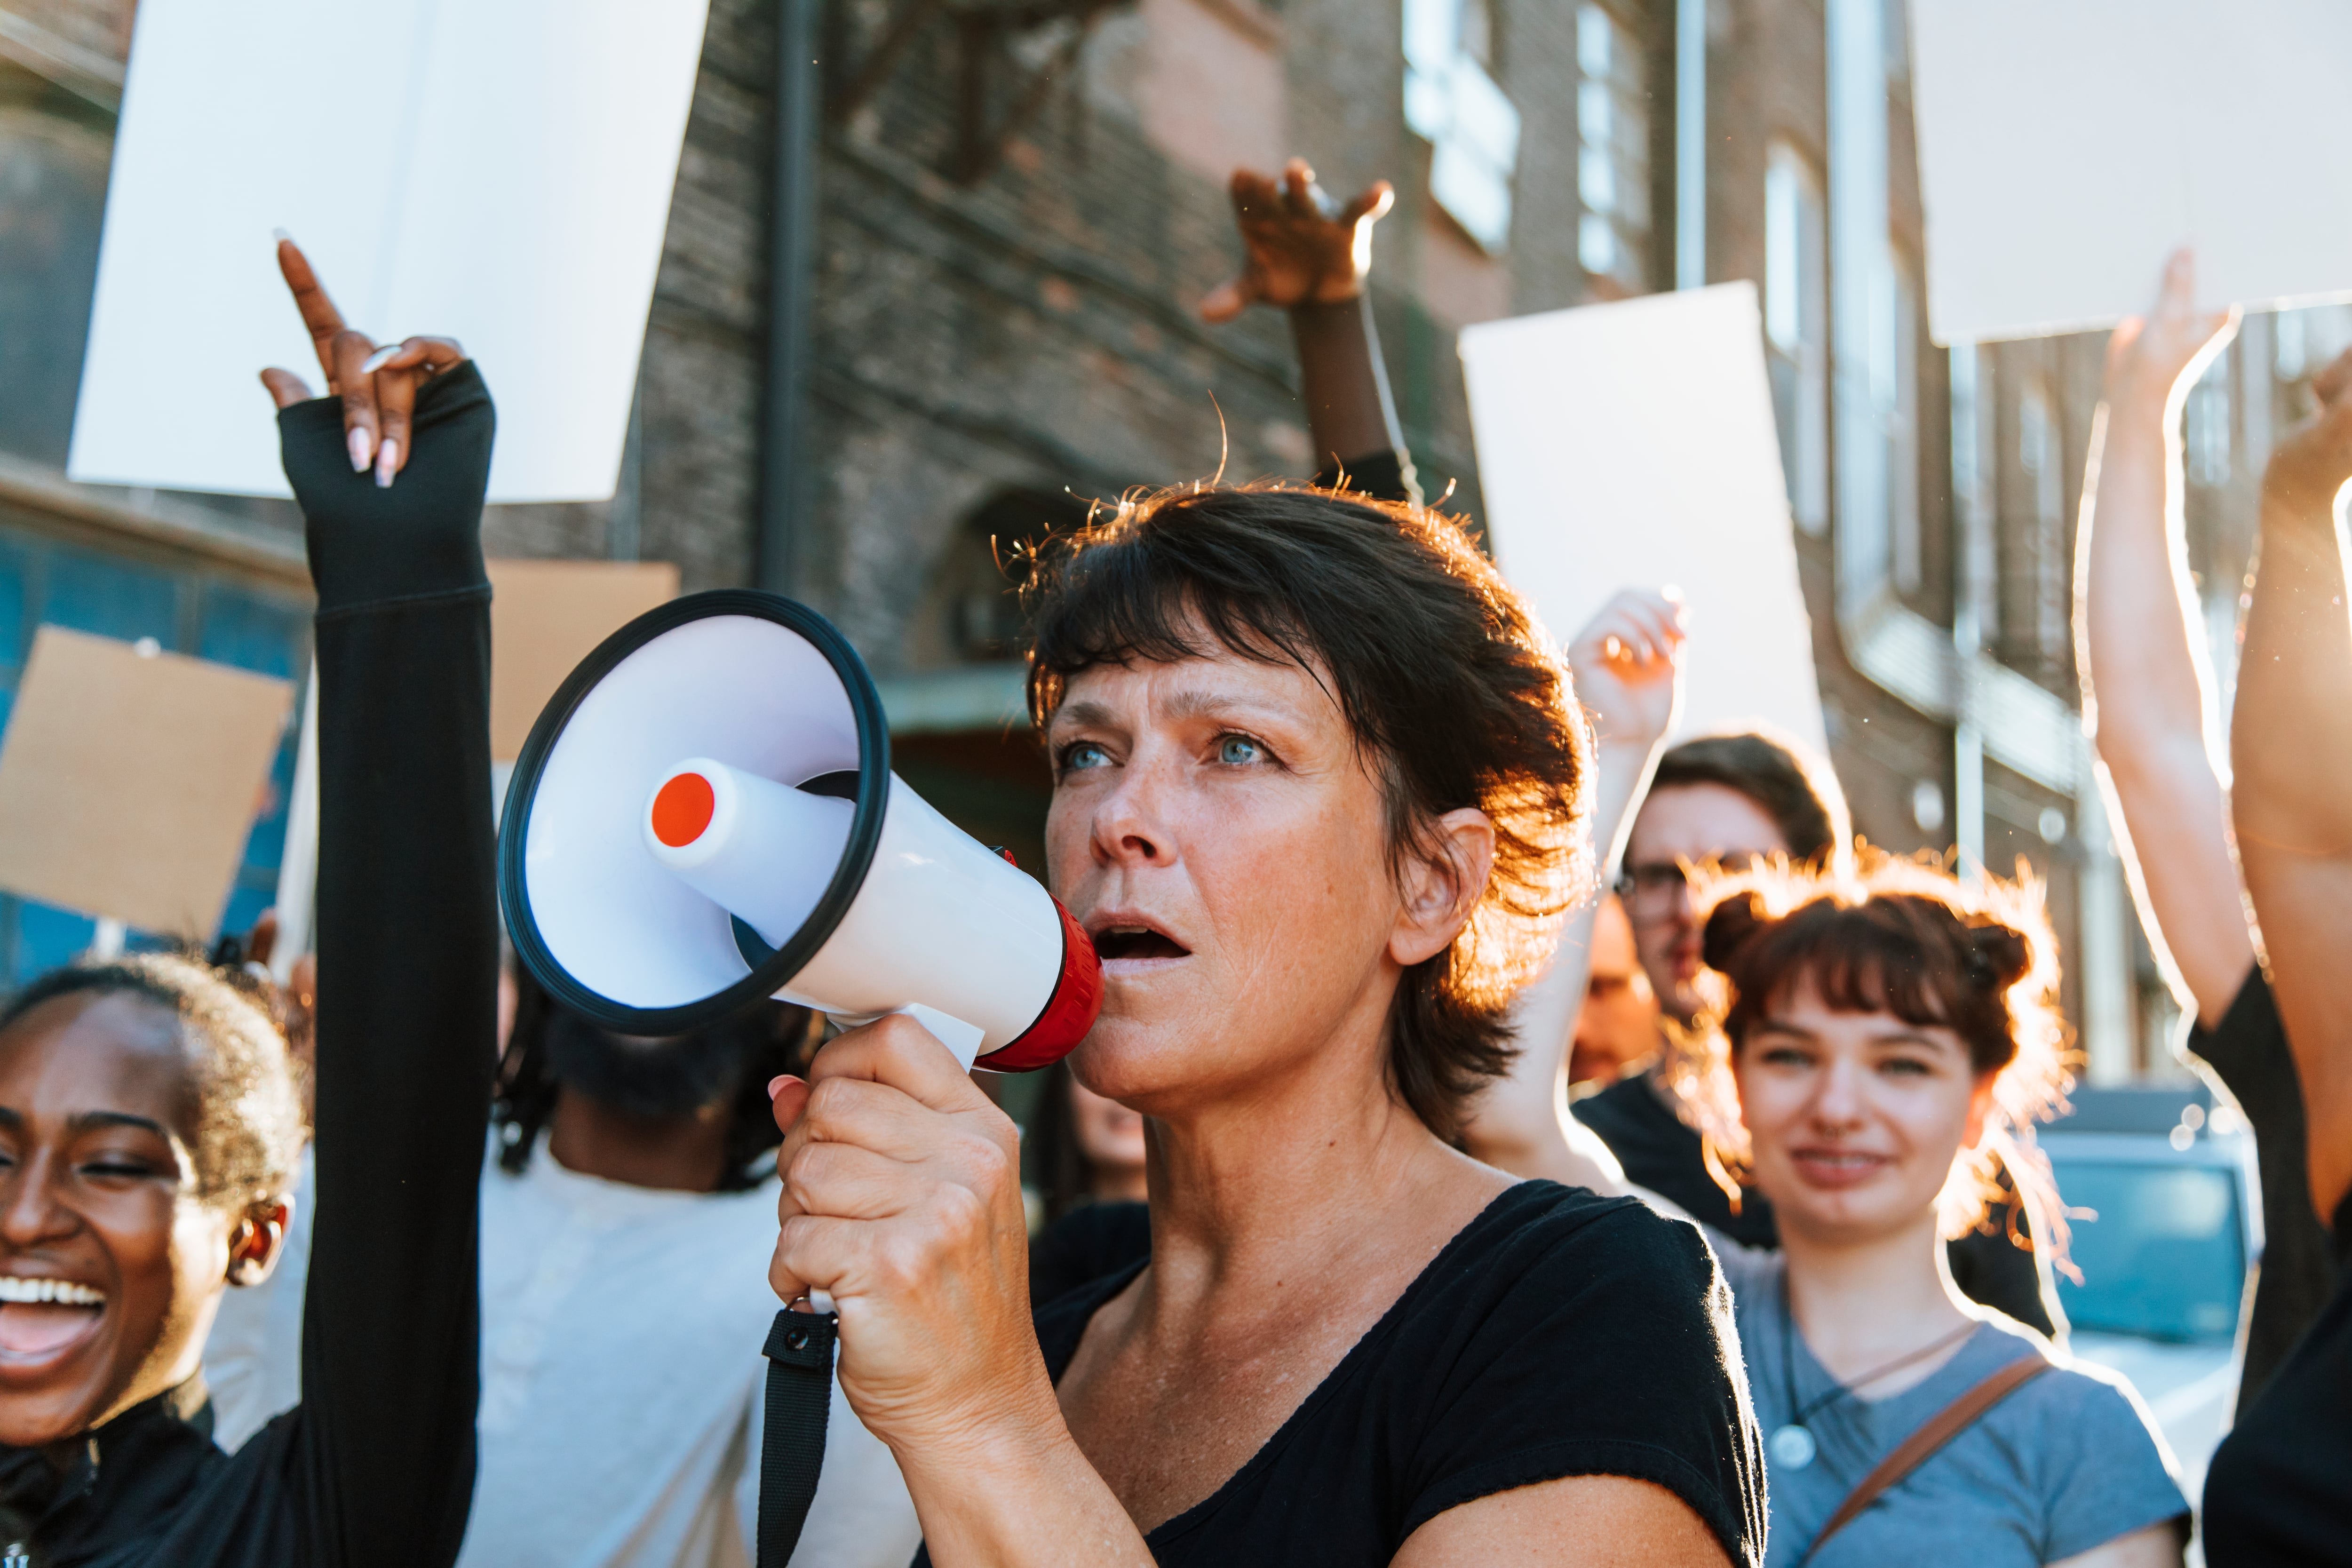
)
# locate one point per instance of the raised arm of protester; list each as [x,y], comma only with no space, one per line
[1308,255]
[1627,665]
[2148,696]
[377,1464]
[2291,741]
[2275,1490]
[2147,689]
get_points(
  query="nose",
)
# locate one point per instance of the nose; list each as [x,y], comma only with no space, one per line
[32,1210]
[1131,829]
[1838,1100]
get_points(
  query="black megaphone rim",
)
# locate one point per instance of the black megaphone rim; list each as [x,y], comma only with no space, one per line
[776,971]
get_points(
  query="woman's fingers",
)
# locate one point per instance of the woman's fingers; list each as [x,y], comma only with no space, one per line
[320,317]
[1372,205]
[2331,383]
[845,1182]
[286,388]
[393,374]
[348,353]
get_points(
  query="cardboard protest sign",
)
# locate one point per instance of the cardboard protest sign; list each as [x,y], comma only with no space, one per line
[129,781]
[495,171]
[2067,146]
[1631,445]
[548,615]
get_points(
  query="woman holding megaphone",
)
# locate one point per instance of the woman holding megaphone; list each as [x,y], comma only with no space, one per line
[1320,794]
[148,1112]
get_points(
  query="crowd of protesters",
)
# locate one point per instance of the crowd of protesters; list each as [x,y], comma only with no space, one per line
[1416,1199]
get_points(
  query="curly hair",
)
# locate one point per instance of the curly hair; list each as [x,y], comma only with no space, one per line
[1454,696]
[1900,936]
[250,1128]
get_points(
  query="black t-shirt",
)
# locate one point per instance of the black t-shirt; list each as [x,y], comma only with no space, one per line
[376,1466]
[1086,1244]
[2279,1491]
[1659,1151]
[1560,1333]
[2247,1051]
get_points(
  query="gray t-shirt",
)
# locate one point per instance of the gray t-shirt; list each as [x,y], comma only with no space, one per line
[2068,1462]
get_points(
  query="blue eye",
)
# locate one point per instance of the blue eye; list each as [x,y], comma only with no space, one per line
[1239,751]
[1084,755]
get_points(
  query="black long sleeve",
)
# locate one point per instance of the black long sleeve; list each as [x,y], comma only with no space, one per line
[375,1467]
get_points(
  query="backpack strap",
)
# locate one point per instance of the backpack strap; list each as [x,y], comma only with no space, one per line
[1922,1445]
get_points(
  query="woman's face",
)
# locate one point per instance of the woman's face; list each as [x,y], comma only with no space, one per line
[99,1213]
[1854,1118]
[1217,834]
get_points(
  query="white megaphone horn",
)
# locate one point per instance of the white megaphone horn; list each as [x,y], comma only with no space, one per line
[705,815]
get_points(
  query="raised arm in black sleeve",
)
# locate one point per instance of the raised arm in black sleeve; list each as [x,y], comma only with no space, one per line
[408,949]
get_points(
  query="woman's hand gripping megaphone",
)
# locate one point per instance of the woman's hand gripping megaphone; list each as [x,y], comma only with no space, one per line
[902,1201]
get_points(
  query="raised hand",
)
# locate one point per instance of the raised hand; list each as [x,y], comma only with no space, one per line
[2148,356]
[1302,247]
[2312,465]
[378,385]
[1627,661]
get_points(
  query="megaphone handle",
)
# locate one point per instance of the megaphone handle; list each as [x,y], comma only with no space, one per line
[792,1438]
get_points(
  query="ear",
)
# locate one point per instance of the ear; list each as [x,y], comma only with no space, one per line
[254,1244]
[1980,1110]
[1444,881]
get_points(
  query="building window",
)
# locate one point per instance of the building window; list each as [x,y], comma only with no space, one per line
[1612,168]
[1451,100]
[2040,457]
[1795,329]
[1895,384]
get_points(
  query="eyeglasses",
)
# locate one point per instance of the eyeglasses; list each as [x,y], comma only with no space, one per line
[1651,892]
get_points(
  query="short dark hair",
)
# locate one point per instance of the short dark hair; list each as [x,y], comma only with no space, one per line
[746,1049]
[1797,791]
[250,1128]
[1440,669]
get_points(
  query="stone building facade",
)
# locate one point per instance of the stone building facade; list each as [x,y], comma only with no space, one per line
[1017,205]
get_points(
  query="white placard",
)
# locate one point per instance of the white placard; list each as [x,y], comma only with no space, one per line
[2067,146]
[1633,445]
[497,171]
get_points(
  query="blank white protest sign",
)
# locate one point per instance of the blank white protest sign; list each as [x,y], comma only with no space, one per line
[2067,146]
[1631,445]
[495,171]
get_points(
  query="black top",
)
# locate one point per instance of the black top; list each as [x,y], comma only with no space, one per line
[2248,1052]
[1086,1244]
[2279,1491]
[376,1465]
[1659,1151]
[1558,1334]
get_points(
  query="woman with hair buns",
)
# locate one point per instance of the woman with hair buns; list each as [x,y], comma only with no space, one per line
[1883,1036]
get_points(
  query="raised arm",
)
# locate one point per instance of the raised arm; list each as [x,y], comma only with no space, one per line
[2147,694]
[2291,741]
[1627,662]
[1306,254]
[380,1455]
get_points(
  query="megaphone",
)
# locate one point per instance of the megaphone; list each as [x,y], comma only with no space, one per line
[705,815]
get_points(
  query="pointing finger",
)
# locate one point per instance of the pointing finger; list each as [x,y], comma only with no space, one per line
[320,317]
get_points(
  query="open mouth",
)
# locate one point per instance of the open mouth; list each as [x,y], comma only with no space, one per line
[43,1318]
[1137,942]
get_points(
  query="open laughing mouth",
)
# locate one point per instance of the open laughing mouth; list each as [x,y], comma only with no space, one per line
[41,1318]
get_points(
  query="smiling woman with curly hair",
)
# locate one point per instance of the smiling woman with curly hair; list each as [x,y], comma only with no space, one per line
[1883,1039]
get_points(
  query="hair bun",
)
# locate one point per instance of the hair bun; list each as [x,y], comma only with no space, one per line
[1729,928]
[1998,957]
